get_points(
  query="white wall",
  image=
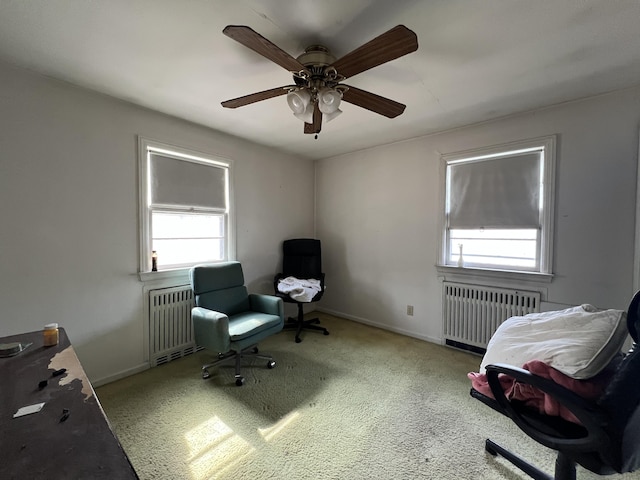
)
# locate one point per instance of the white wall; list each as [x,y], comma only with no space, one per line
[68,223]
[378,214]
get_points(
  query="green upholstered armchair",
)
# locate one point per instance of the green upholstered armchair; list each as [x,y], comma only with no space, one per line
[227,319]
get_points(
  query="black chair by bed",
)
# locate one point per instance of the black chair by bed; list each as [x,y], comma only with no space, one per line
[608,439]
[302,259]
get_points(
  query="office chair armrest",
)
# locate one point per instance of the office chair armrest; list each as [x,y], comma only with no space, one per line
[211,329]
[590,415]
[266,304]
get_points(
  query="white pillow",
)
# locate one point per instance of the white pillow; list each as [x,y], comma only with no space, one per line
[579,341]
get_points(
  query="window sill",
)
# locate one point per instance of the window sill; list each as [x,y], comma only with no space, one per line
[495,274]
[178,275]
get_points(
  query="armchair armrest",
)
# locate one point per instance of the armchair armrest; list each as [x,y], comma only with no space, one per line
[266,304]
[590,415]
[211,329]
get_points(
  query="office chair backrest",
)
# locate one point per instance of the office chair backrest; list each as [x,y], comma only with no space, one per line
[622,399]
[220,287]
[302,258]
[633,317]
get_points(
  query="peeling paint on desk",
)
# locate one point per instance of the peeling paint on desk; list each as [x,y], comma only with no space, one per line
[67,359]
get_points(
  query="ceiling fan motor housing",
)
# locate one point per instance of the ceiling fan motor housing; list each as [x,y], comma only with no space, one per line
[316,58]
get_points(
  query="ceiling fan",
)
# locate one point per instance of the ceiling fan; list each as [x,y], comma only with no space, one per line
[317,75]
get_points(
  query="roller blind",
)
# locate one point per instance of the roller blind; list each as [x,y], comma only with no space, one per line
[500,192]
[179,182]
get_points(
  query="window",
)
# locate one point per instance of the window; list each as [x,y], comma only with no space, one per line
[184,207]
[498,207]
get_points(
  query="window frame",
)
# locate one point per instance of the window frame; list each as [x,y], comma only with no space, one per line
[547,145]
[145,145]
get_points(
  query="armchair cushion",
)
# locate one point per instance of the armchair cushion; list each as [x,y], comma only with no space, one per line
[203,281]
[229,300]
[579,341]
[248,324]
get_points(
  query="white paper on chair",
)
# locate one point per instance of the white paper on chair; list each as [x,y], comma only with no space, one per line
[299,290]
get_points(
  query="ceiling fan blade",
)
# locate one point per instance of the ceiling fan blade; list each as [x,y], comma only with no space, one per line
[317,122]
[256,42]
[393,44]
[373,102]
[256,97]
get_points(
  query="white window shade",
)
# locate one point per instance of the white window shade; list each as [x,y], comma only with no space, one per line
[502,192]
[178,182]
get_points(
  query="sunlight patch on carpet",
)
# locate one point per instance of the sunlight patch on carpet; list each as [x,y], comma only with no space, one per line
[269,432]
[214,448]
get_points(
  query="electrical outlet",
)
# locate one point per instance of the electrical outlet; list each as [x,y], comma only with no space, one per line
[410,310]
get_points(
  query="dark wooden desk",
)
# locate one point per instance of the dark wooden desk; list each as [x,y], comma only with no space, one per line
[39,445]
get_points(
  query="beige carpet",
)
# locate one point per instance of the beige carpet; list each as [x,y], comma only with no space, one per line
[361,403]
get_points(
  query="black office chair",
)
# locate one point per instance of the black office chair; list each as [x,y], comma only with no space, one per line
[607,442]
[302,259]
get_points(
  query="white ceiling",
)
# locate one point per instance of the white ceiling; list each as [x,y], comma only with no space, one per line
[476,60]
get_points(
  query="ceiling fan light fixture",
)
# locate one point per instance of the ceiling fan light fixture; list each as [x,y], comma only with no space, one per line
[298,101]
[329,100]
[330,116]
[307,115]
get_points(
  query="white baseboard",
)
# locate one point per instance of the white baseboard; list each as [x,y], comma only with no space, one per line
[382,326]
[117,376]
[145,366]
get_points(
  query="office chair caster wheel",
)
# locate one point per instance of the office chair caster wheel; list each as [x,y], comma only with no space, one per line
[205,374]
[239,381]
[255,350]
[298,339]
[271,364]
[326,332]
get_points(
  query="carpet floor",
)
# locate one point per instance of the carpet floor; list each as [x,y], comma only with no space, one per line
[361,403]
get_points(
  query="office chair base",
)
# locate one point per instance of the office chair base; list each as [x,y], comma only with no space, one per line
[251,351]
[300,325]
[565,468]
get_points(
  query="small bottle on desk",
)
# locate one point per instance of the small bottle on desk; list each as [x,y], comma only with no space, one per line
[51,334]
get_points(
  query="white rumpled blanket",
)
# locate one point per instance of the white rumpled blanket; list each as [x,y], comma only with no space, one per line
[299,290]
